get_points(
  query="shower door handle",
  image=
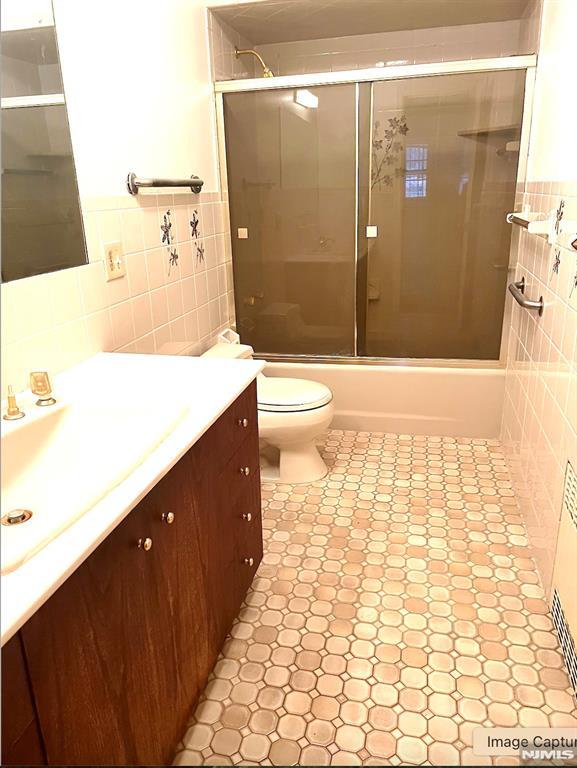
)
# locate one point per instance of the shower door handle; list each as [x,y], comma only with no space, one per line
[518,291]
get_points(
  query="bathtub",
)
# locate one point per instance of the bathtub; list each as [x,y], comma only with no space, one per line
[409,399]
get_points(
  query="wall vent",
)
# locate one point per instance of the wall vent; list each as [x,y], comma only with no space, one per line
[565,639]
[570,493]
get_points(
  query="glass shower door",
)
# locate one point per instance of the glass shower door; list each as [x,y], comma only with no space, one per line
[291,164]
[437,179]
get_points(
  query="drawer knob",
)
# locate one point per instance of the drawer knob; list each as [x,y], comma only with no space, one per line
[168,517]
[145,544]
[245,471]
[243,423]
[249,561]
[247,516]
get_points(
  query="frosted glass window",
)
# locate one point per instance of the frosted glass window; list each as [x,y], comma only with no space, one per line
[416,158]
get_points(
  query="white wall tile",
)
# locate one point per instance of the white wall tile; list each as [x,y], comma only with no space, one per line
[122,324]
[155,268]
[174,297]
[92,287]
[201,286]
[132,234]
[137,274]
[142,315]
[64,287]
[539,422]
[159,304]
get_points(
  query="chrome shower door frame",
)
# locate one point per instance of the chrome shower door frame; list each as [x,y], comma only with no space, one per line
[363,80]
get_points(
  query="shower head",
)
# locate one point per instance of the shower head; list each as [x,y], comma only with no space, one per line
[266,72]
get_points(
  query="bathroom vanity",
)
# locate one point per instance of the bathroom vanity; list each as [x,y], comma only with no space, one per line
[108,670]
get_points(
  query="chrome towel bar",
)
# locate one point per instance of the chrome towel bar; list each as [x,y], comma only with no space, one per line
[518,291]
[133,183]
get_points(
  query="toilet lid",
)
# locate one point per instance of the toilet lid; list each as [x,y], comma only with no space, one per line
[277,394]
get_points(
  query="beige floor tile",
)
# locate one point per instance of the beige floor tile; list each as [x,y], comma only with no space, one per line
[397,608]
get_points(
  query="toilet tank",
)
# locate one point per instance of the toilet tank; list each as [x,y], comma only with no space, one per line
[230,351]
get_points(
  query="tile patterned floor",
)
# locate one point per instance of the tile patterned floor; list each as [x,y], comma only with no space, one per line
[397,608]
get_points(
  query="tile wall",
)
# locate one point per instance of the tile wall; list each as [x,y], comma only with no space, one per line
[165,304]
[540,412]
[417,46]
[223,40]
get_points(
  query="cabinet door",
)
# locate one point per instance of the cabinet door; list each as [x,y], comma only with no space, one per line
[96,653]
[216,554]
[180,584]
[216,462]
[21,743]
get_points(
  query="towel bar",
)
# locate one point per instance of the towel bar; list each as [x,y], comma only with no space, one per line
[133,183]
[518,291]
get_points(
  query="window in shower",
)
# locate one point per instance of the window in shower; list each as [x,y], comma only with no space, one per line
[424,161]
[416,171]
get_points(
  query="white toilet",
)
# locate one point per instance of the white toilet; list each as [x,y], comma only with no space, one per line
[292,413]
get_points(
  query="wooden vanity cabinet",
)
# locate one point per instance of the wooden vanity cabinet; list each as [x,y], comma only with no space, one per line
[21,741]
[119,655]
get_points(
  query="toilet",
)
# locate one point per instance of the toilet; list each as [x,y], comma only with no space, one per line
[292,413]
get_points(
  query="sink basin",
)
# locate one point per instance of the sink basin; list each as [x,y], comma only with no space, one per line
[59,462]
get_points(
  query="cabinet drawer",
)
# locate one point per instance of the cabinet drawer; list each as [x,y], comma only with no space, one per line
[241,474]
[240,499]
[247,527]
[237,423]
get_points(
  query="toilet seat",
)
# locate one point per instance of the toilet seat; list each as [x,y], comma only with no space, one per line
[291,395]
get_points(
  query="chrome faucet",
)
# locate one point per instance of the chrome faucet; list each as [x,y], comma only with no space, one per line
[40,385]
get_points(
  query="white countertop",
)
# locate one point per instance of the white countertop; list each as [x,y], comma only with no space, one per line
[207,385]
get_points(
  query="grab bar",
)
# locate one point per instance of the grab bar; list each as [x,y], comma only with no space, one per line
[518,291]
[133,183]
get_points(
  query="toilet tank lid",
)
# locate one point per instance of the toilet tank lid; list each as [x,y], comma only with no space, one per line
[230,351]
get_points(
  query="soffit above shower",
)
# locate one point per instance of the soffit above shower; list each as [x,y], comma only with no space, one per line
[280,21]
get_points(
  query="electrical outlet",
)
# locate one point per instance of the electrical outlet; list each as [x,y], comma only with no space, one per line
[114,263]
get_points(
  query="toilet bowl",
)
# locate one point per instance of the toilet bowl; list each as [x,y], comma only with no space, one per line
[292,414]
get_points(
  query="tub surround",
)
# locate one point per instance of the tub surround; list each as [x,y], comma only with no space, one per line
[540,410]
[205,387]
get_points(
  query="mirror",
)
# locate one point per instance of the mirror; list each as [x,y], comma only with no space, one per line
[42,229]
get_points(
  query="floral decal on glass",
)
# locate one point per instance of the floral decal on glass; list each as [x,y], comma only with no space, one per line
[200,253]
[386,148]
[557,262]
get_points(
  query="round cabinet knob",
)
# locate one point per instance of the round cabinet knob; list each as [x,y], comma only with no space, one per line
[243,423]
[249,561]
[245,471]
[168,518]
[247,516]
[145,544]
